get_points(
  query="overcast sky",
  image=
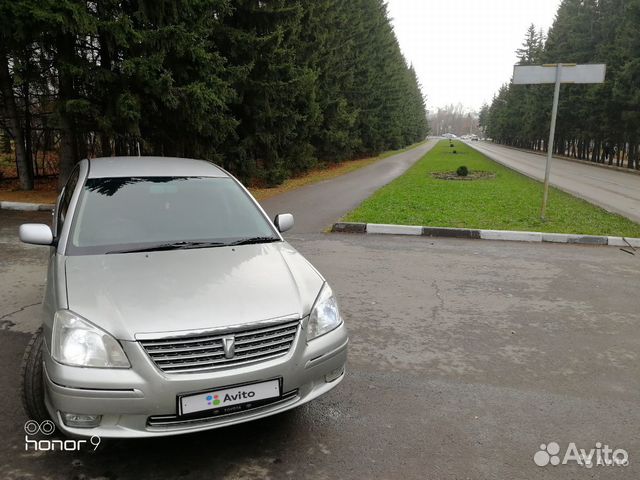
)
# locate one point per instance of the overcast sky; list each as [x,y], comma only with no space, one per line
[464,50]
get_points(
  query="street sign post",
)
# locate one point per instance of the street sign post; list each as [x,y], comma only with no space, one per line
[556,73]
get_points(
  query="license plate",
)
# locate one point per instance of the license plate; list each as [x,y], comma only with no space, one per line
[227,397]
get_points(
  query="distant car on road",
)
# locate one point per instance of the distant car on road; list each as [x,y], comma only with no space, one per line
[474,138]
[174,305]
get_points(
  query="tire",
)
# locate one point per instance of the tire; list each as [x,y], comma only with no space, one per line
[33,380]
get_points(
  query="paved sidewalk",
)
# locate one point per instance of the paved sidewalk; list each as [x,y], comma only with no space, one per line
[316,207]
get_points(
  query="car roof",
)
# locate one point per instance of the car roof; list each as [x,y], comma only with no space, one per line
[106,167]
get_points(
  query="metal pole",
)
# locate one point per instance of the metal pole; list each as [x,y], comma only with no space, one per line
[552,134]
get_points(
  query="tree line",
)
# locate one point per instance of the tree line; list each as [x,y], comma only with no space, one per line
[454,119]
[266,88]
[599,123]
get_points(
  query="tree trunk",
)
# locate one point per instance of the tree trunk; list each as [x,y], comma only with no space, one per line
[68,138]
[68,151]
[25,168]
[105,145]
[106,64]
[595,153]
[28,142]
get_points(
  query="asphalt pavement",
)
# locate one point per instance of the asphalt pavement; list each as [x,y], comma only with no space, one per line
[316,207]
[610,189]
[465,357]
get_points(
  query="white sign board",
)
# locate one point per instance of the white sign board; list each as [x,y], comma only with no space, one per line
[569,73]
[558,74]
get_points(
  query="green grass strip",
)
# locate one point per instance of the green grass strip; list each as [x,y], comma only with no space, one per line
[508,201]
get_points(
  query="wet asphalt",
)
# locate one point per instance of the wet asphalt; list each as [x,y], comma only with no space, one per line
[465,357]
[316,207]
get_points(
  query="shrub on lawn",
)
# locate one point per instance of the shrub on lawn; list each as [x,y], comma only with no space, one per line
[462,171]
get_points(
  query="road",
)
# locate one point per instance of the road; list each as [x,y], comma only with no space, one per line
[465,357]
[612,190]
[318,206]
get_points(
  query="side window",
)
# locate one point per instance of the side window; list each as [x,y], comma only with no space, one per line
[66,198]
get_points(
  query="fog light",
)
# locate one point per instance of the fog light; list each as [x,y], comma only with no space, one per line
[81,420]
[333,375]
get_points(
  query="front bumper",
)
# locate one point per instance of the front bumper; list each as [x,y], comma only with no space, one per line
[126,398]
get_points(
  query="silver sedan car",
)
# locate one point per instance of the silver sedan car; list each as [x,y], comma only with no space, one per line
[173,305]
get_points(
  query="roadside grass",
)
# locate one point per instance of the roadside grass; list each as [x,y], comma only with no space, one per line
[46,188]
[509,201]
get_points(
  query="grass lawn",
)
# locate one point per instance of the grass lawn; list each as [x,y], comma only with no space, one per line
[508,201]
[46,188]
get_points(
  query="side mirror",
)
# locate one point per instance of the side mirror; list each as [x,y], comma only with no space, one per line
[283,222]
[36,234]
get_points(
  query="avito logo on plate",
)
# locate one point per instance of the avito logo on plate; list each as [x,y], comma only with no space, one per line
[230,396]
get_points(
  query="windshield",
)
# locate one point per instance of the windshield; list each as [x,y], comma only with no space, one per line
[130,213]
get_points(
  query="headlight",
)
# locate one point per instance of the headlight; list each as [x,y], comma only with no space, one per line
[76,342]
[325,315]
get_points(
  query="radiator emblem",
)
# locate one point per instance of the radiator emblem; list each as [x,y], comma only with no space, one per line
[229,344]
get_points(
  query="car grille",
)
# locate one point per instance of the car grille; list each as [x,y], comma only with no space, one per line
[206,351]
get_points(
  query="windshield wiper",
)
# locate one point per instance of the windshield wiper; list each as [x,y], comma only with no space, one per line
[252,240]
[172,246]
[189,245]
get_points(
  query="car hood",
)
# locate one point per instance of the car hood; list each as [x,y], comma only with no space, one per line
[178,290]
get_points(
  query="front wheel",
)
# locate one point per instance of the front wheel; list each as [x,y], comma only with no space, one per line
[33,380]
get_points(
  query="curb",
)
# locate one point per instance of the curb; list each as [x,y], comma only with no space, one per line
[504,235]
[31,207]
